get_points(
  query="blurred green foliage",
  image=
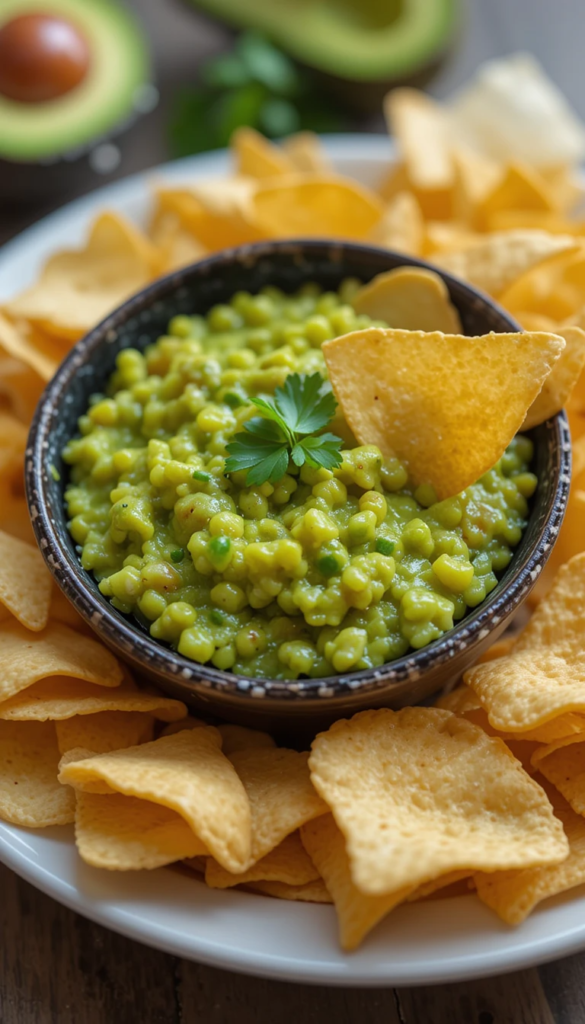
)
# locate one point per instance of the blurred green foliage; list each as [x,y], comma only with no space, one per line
[255,85]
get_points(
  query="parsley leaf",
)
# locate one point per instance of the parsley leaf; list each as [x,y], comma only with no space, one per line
[287,429]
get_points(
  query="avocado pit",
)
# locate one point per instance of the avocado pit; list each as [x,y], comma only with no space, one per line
[42,57]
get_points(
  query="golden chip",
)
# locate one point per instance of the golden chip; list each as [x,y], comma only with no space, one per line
[29,791]
[315,206]
[18,343]
[496,261]
[59,698]
[187,773]
[104,731]
[446,405]
[419,793]
[562,762]
[311,892]
[256,157]
[514,894]
[559,385]
[476,176]
[443,882]
[56,651]
[77,289]
[288,862]
[214,214]
[544,675]
[177,246]
[281,795]
[521,188]
[238,737]
[306,153]
[402,225]
[357,913]
[421,129]
[409,298]
[184,723]
[121,833]
[25,582]
[555,287]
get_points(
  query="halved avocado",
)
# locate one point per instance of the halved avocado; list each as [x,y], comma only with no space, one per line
[360,40]
[95,89]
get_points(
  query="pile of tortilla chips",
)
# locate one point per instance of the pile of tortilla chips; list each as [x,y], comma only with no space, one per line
[486,791]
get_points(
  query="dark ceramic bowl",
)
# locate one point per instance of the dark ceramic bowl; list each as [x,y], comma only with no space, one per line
[305,704]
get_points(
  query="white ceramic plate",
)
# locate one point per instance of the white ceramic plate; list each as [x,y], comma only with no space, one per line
[418,944]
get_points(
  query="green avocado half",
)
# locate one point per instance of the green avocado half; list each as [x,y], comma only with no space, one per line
[360,40]
[106,97]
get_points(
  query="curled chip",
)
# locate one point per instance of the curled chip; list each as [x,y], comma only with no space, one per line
[544,675]
[316,206]
[562,762]
[59,698]
[25,583]
[29,791]
[213,213]
[104,731]
[514,894]
[420,793]
[463,701]
[357,912]
[121,833]
[498,259]
[281,795]
[402,225]
[57,651]
[188,774]
[288,862]
[411,299]
[558,386]
[446,405]
[77,289]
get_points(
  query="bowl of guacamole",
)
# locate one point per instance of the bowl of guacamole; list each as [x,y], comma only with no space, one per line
[202,501]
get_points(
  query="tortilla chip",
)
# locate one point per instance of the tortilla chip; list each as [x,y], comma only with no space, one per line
[497,260]
[238,737]
[61,698]
[555,287]
[177,246]
[431,888]
[463,701]
[184,723]
[104,731]
[25,582]
[421,129]
[410,299]
[514,894]
[521,188]
[256,157]
[311,892]
[56,651]
[216,214]
[288,862]
[281,795]
[17,343]
[562,762]
[559,385]
[476,176]
[63,611]
[394,180]
[121,833]
[402,226]
[20,388]
[536,321]
[357,913]
[544,675]
[29,791]
[448,236]
[420,792]
[188,774]
[306,153]
[446,405]
[309,207]
[78,288]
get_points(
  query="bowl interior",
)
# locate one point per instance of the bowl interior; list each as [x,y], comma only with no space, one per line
[194,290]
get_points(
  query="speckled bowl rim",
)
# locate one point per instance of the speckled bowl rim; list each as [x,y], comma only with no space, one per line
[125,637]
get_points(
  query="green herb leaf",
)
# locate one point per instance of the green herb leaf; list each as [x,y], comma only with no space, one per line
[304,405]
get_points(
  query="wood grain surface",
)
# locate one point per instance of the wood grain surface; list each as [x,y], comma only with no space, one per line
[56,967]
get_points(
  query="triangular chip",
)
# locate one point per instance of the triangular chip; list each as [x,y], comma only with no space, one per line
[281,795]
[239,737]
[562,762]
[558,386]
[305,151]
[521,188]
[357,913]
[544,675]
[310,206]
[256,157]
[188,774]
[56,651]
[446,405]
[29,791]
[25,582]
[463,701]
[421,129]
[310,892]
[104,731]
[411,299]
[288,862]
[514,894]
[420,793]
[402,225]
[121,833]
[496,261]
[60,698]
[554,287]
[43,358]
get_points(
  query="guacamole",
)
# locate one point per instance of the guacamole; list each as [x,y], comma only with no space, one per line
[319,572]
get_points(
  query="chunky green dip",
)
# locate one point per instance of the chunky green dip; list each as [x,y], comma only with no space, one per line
[322,571]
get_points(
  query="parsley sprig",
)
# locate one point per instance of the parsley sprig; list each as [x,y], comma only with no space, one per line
[287,428]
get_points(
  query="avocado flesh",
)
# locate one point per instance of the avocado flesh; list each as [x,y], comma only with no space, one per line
[362,40]
[37,131]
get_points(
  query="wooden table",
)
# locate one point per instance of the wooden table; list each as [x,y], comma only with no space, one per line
[56,967]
